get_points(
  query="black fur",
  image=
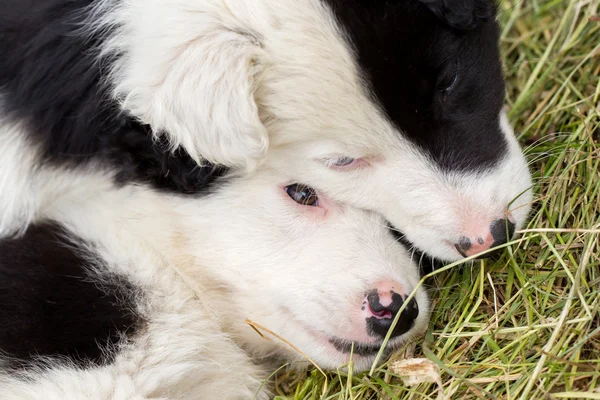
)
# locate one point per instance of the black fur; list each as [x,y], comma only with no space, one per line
[53,306]
[360,349]
[50,78]
[461,14]
[409,55]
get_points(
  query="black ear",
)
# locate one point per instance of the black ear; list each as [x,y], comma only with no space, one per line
[461,14]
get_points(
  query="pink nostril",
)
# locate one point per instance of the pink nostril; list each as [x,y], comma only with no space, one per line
[380,314]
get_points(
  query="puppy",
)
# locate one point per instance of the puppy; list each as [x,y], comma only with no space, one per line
[128,292]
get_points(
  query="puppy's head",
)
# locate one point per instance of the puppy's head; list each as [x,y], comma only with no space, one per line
[390,106]
[397,107]
[327,277]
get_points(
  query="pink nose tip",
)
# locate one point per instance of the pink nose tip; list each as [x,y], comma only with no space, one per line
[500,231]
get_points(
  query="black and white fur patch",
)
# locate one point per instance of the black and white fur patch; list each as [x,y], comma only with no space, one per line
[52,81]
[173,94]
[56,304]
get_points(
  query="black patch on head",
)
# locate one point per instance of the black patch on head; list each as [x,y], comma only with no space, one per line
[51,79]
[52,306]
[409,56]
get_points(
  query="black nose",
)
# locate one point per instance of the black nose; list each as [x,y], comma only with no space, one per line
[383,316]
[502,231]
[463,246]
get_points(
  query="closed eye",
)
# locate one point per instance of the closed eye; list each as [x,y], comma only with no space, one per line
[448,82]
[342,161]
[345,163]
[451,84]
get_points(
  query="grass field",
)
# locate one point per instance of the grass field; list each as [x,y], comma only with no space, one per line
[527,325]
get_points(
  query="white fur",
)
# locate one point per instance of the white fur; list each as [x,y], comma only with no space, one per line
[29,188]
[226,79]
[18,201]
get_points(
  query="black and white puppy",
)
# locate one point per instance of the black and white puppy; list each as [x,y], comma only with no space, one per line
[389,106]
[169,168]
[129,293]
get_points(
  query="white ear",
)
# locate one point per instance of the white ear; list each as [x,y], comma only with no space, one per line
[191,78]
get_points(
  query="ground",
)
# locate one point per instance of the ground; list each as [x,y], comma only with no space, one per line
[526,325]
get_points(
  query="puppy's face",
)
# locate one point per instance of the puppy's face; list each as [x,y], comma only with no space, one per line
[400,112]
[327,277]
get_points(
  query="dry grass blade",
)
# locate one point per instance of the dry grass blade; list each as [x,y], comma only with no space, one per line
[258,328]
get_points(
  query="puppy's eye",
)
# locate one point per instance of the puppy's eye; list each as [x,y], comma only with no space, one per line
[449,84]
[342,161]
[448,81]
[303,194]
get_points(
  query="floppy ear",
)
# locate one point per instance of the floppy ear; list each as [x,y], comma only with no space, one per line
[192,80]
[461,14]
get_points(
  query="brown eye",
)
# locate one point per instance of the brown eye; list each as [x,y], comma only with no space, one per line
[303,194]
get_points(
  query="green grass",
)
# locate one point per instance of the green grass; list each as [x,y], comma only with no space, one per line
[526,326]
